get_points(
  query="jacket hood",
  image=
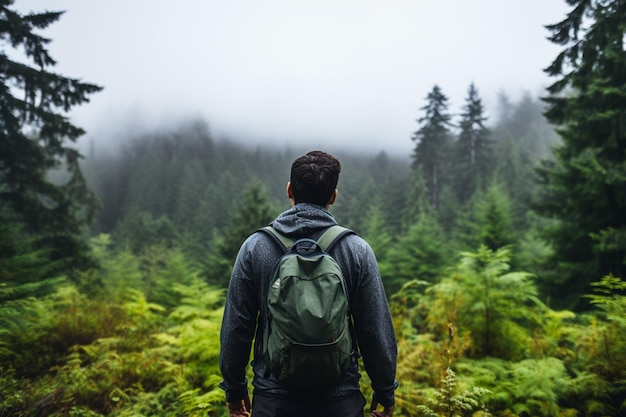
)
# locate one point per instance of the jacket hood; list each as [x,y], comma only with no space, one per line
[302,220]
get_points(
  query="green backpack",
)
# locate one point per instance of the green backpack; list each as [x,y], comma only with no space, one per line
[307,339]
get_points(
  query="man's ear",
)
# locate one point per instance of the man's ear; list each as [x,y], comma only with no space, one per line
[290,193]
[332,198]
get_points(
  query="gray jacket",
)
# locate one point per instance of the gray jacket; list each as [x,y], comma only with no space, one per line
[245,307]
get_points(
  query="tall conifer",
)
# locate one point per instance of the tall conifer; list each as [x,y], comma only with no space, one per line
[585,186]
[473,150]
[253,211]
[34,134]
[432,142]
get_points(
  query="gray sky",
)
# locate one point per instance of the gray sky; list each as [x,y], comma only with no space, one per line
[324,72]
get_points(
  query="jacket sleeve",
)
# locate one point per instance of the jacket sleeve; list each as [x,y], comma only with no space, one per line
[238,326]
[373,324]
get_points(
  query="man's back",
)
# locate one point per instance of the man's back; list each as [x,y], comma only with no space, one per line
[245,315]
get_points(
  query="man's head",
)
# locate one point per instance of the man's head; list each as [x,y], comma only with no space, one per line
[314,178]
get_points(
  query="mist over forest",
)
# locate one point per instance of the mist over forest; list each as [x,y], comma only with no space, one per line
[187,155]
[500,237]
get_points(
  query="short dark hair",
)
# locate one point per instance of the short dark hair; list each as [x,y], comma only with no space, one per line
[314,177]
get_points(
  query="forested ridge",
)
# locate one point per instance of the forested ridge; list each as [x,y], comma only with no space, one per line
[181,188]
[500,240]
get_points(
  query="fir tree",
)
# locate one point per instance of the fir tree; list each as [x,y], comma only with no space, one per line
[376,232]
[432,142]
[416,200]
[514,171]
[24,274]
[189,191]
[34,136]
[584,186]
[253,212]
[494,217]
[473,149]
[421,253]
[487,220]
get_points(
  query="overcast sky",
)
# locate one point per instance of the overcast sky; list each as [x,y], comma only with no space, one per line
[318,72]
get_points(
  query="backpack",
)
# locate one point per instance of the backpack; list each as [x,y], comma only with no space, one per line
[307,340]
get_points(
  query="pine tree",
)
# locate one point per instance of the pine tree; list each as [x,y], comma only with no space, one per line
[473,149]
[24,270]
[142,230]
[416,201]
[486,221]
[390,176]
[584,185]
[366,196]
[254,211]
[147,187]
[34,136]
[514,171]
[494,217]
[432,143]
[376,231]
[188,194]
[421,253]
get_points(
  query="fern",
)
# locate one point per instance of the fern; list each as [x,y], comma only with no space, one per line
[607,341]
[448,401]
[195,330]
[533,387]
[483,299]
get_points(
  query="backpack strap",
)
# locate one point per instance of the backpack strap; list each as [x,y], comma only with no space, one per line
[326,241]
[331,236]
[282,241]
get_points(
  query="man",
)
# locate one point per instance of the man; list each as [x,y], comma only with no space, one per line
[311,190]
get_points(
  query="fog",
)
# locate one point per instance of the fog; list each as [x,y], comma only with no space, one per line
[316,73]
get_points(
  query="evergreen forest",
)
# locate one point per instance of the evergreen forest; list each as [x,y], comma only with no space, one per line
[501,241]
